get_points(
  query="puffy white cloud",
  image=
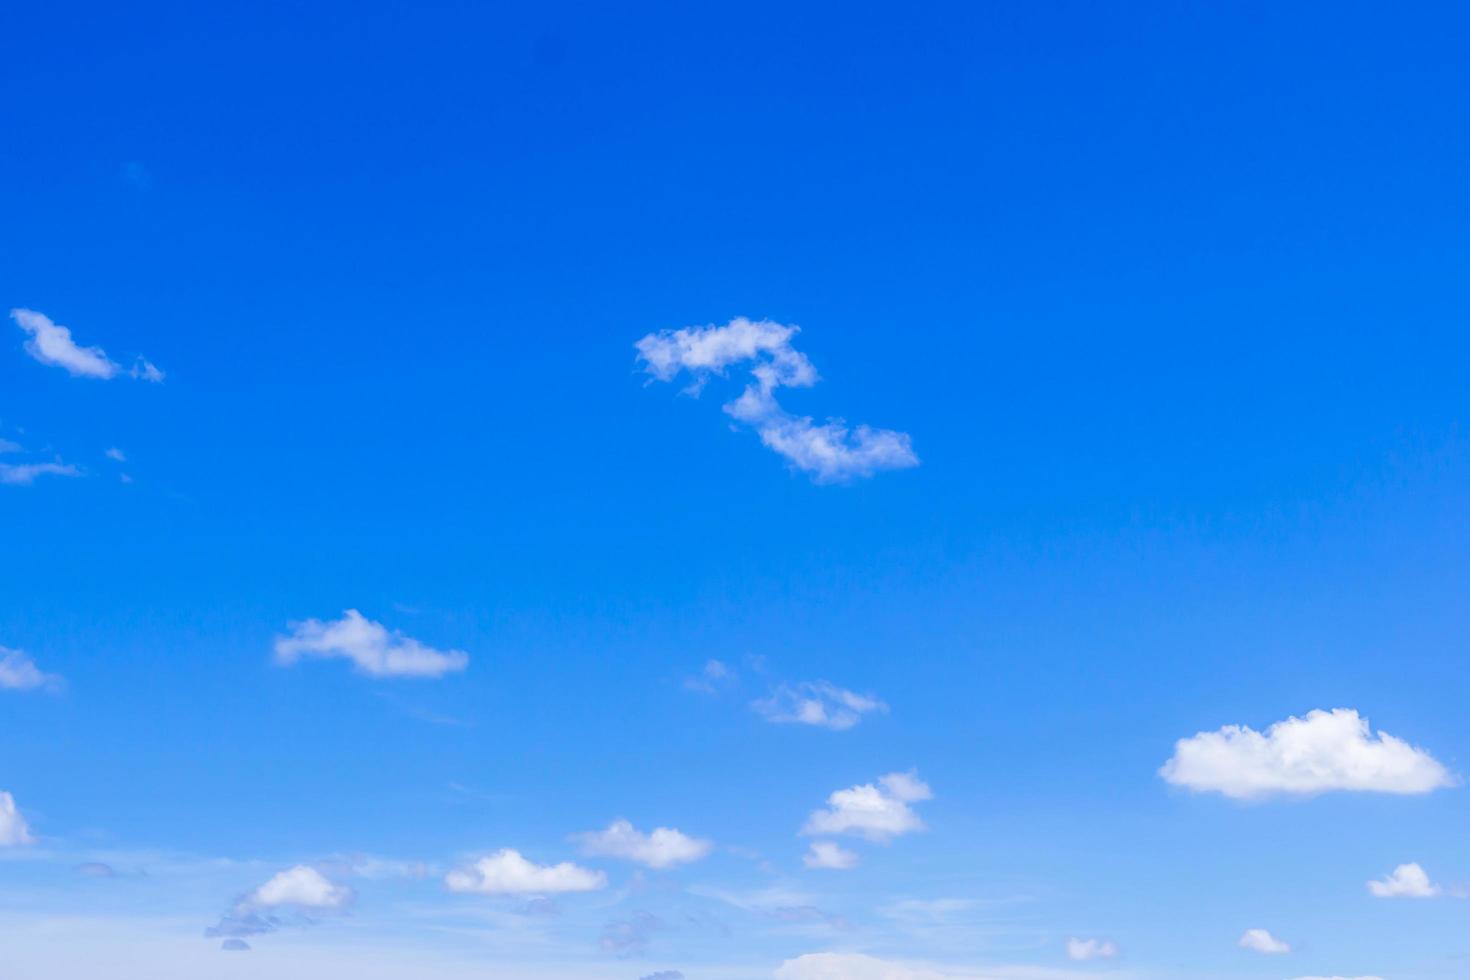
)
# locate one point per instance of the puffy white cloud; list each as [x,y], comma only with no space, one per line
[830,452]
[24,474]
[1261,941]
[664,847]
[1091,949]
[303,887]
[1406,881]
[373,648]
[506,872]
[1326,750]
[876,812]
[18,672]
[14,831]
[817,703]
[830,856]
[51,343]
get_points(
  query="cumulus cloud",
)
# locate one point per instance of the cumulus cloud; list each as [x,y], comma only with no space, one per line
[817,703]
[875,812]
[506,872]
[1261,941]
[51,343]
[1406,881]
[663,847]
[373,648]
[25,474]
[18,672]
[829,856]
[830,452]
[1326,750]
[1091,949]
[14,831]
[296,891]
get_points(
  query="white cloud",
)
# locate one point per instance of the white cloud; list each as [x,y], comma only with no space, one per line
[1406,881]
[14,831]
[507,873]
[714,674]
[830,856]
[817,703]
[145,370]
[24,474]
[1091,949]
[664,847]
[51,343]
[372,648]
[1326,750]
[1339,978]
[858,966]
[18,672]
[830,452]
[117,455]
[303,887]
[1261,941]
[876,812]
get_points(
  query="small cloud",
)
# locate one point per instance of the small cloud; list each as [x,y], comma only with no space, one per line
[235,946]
[663,975]
[710,677]
[95,869]
[663,847]
[629,937]
[1091,949]
[50,343]
[14,831]
[830,452]
[25,474]
[817,703]
[1261,941]
[373,649]
[1406,881]
[18,672]
[1325,751]
[6,446]
[145,370]
[876,812]
[136,174]
[297,890]
[830,856]
[506,872]
[116,455]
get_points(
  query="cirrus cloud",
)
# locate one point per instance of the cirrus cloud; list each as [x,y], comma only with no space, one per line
[1324,751]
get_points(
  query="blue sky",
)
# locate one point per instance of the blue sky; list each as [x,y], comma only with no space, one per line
[432,549]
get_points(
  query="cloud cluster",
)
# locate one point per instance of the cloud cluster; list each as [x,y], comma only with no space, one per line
[1261,941]
[506,872]
[1406,881]
[51,343]
[1326,750]
[830,452]
[18,672]
[1091,949]
[298,891]
[373,648]
[14,831]
[663,847]
[876,812]
[817,703]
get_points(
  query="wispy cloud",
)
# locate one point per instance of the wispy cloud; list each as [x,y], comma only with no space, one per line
[828,855]
[817,703]
[372,648]
[1091,949]
[1326,750]
[25,474]
[18,672]
[51,343]
[830,452]
[14,831]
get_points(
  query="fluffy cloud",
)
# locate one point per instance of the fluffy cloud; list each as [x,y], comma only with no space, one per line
[507,873]
[51,343]
[1326,750]
[876,812]
[1406,881]
[1091,949]
[18,672]
[24,474]
[1261,941]
[817,703]
[830,452]
[829,856]
[664,847]
[373,648]
[14,831]
[303,887]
